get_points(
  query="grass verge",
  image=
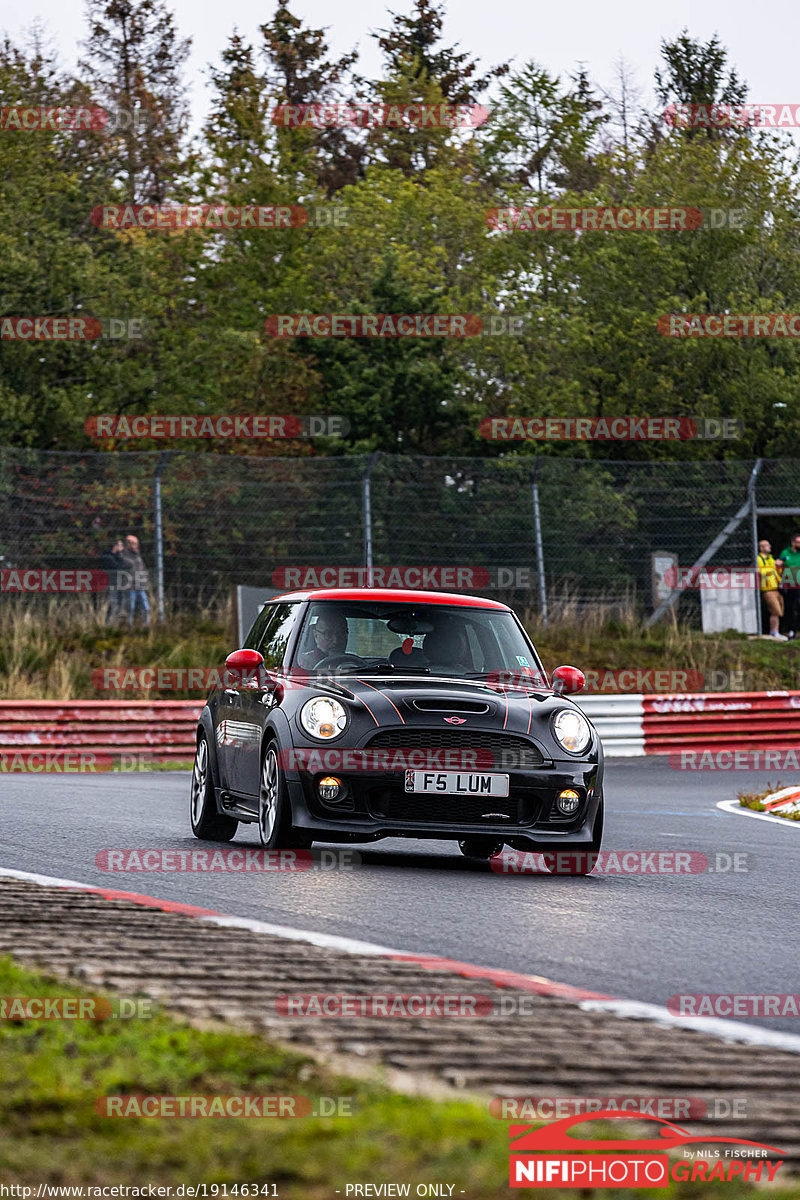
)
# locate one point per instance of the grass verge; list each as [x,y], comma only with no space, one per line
[53,1072]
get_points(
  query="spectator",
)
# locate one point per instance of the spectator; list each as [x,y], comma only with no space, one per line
[137,595]
[790,584]
[769,579]
[112,562]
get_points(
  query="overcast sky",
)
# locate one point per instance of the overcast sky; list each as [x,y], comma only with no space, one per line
[762,39]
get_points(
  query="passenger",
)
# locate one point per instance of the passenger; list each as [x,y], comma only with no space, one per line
[447,647]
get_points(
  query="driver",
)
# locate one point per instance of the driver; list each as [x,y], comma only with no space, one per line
[329,639]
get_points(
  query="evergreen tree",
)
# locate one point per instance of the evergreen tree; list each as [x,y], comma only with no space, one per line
[697,74]
[133,60]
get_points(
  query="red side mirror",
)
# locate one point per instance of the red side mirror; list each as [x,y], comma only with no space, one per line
[244,660]
[567,680]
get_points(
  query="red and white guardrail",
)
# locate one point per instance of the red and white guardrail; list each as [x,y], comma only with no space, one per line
[158,729]
[628,725]
[663,724]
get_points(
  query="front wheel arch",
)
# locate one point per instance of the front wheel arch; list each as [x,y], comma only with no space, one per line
[285,835]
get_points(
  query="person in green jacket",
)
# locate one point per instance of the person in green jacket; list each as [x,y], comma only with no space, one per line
[790,585]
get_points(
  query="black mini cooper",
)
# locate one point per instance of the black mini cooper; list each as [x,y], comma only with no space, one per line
[364,713]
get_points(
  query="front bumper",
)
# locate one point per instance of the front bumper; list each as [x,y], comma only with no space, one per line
[375,805]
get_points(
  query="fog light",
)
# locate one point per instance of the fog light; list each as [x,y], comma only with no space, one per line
[329,787]
[568,801]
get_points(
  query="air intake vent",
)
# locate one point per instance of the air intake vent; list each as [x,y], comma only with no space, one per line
[451,706]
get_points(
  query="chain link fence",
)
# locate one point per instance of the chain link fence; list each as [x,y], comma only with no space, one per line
[277,522]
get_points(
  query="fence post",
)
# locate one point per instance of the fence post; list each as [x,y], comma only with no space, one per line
[751,491]
[159,533]
[537,526]
[366,506]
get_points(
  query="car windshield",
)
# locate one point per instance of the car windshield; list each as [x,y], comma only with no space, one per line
[359,637]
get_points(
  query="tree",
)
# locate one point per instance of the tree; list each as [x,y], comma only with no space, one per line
[133,60]
[541,134]
[420,69]
[412,45]
[695,74]
[299,72]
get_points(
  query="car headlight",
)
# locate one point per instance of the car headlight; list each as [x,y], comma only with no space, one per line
[572,730]
[323,717]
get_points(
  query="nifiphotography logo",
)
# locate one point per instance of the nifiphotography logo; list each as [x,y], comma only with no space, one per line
[551,1157]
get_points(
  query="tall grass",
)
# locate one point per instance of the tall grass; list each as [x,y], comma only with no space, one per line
[49,646]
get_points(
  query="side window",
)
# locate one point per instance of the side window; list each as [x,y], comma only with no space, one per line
[277,633]
[257,632]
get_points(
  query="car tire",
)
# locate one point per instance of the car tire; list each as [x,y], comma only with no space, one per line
[480,847]
[275,828]
[206,822]
[585,856]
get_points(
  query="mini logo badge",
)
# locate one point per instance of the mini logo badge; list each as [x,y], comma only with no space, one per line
[455,720]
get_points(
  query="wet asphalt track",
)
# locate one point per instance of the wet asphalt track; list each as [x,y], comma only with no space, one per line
[642,937]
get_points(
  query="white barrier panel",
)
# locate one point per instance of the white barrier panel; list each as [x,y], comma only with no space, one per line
[619,720]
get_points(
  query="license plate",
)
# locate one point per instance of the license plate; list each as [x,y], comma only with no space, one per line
[457,783]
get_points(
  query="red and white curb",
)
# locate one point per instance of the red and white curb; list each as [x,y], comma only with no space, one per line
[784,796]
[727,1031]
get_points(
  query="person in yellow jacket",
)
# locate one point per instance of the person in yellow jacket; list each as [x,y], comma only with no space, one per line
[769,574]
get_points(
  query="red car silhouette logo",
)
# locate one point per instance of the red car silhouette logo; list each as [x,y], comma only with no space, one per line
[456,720]
[525,1138]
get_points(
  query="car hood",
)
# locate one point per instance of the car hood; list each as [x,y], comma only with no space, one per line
[440,701]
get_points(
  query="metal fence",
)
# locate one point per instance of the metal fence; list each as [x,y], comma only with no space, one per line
[226,520]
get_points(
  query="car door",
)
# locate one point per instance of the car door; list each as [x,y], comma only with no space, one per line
[254,701]
[229,707]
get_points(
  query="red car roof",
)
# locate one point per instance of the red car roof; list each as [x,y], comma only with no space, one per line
[396,594]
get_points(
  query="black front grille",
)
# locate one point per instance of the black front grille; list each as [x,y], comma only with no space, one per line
[392,804]
[507,749]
